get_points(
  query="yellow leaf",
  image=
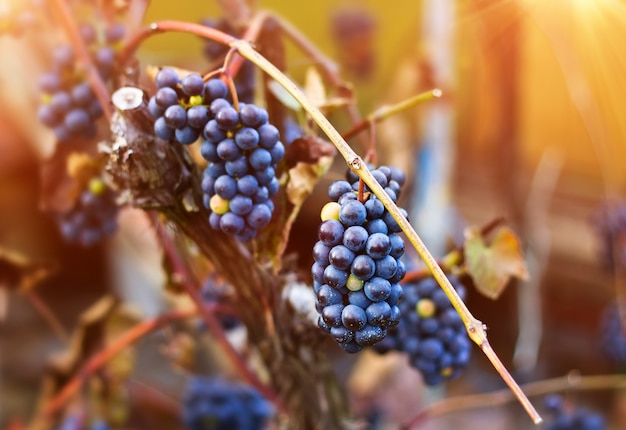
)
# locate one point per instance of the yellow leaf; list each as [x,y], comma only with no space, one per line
[314,87]
[492,266]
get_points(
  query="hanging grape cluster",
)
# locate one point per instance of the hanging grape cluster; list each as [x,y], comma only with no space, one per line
[357,266]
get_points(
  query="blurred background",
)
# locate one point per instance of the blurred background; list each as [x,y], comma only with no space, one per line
[531,127]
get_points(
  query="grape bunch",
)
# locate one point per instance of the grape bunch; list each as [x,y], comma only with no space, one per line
[357,266]
[182,107]
[609,221]
[430,331]
[571,418]
[93,216]
[214,404]
[68,104]
[243,151]
[612,336]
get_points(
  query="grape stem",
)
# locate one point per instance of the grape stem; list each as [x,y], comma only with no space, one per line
[100,359]
[475,328]
[385,112]
[95,81]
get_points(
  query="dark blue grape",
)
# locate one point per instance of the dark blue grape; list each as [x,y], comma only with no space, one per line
[352,213]
[198,116]
[225,186]
[166,77]
[355,238]
[331,232]
[227,150]
[166,97]
[241,205]
[215,89]
[175,116]
[247,138]
[227,118]
[259,216]
[192,85]
[186,135]
[341,257]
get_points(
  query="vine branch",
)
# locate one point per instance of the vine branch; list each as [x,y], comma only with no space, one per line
[103,357]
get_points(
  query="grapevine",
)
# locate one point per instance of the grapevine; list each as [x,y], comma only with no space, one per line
[214,161]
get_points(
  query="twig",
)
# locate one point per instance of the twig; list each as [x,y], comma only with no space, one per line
[385,112]
[99,89]
[103,357]
[47,314]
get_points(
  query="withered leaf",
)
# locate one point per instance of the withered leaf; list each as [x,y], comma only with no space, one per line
[19,273]
[491,266]
[300,181]
[65,174]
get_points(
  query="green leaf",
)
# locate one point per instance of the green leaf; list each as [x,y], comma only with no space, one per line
[492,266]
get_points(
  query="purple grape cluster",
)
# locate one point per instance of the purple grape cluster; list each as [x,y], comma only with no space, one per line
[430,332]
[93,216]
[183,107]
[609,221]
[243,150]
[612,336]
[69,106]
[215,404]
[578,418]
[357,266]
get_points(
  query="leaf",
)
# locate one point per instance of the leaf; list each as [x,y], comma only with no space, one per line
[65,175]
[314,87]
[299,181]
[492,266]
[283,96]
[18,272]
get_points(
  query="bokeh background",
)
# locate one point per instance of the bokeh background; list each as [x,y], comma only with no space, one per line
[532,127]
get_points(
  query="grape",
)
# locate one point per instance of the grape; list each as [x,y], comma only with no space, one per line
[571,418]
[612,336]
[192,85]
[357,267]
[609,222]
[93,216]
[213,403]
[428,330]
